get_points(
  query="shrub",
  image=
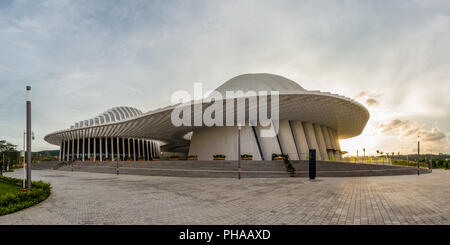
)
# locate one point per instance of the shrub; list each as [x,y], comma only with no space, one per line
[12,202]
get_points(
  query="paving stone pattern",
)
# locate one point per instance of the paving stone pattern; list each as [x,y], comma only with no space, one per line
[99,198]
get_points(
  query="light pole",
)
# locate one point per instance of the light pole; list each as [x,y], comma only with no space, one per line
[239,151]
[418,155]
[364,154]
[29,137]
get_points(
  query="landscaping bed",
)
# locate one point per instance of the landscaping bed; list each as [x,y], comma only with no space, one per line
[12,198]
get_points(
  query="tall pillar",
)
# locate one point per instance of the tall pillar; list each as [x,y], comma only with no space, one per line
[89,149]
[321,141]
[106,147]
[148,150]
[68,150]
[112,149]
[311,138]
[73,148]
[63,149]
[101,150]
[118,149]
[332,140]
[329,146]
[84,146]
[134,150]
[139,147]
[78,147]
[123,149]
[129,152]
[300,139]
[95,149]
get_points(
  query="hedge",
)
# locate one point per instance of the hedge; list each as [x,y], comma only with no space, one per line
[12,202]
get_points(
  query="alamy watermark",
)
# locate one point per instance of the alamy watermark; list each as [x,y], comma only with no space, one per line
[229,109]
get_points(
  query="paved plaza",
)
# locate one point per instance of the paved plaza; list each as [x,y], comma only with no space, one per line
[98,198]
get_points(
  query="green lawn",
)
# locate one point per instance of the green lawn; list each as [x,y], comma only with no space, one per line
[5,188]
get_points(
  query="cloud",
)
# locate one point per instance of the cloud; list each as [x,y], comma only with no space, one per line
[408,128]
[372,102]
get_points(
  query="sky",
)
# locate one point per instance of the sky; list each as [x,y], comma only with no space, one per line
[84,57]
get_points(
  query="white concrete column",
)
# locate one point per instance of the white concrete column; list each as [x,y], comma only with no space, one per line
[78,147]
[129,152]
[123,149]
[326,137]
[89,149]
[84,147]
[287,140]
[101,150]
[63,149]
[139,147]
[151,149]
[73,148]
[321,141]
[134,150]
[311,138]
[106,147]
[148,150]
[118,149]
[95,150]
[300,139]
[68,150]
[332,139]
[112,149]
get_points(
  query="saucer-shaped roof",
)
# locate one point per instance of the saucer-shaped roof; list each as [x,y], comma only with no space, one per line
[343,114]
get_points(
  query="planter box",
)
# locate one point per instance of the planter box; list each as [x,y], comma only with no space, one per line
[173,159]
[246,158]
[129,160]
[278,158]
[192,159]
[219,158]
[155,159]
[141,160]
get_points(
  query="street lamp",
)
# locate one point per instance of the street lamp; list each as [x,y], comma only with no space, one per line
[28,103]
[239,151]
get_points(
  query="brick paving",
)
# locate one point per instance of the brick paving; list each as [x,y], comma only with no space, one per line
[98,198]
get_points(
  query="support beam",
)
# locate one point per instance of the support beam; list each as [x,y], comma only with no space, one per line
[300,139]
[101,150]
[60,150]
[134,150]
[63,149]
[95,148]
[311,138]
[84,147]
[320,141]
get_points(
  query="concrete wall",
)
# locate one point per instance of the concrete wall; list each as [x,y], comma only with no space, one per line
[209,141]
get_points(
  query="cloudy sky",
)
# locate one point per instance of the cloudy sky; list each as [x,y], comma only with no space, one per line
[83,57]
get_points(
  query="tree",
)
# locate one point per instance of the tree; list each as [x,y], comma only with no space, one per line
[8,153]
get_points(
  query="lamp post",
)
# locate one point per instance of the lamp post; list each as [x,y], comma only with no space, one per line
[239,151]
[418,155]
[364,154]
[28,137]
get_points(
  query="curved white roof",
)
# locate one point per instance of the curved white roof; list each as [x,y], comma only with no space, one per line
[259,82]
[343,114]
[114,114]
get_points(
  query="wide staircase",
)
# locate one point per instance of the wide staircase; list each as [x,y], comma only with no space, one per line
[229,169]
